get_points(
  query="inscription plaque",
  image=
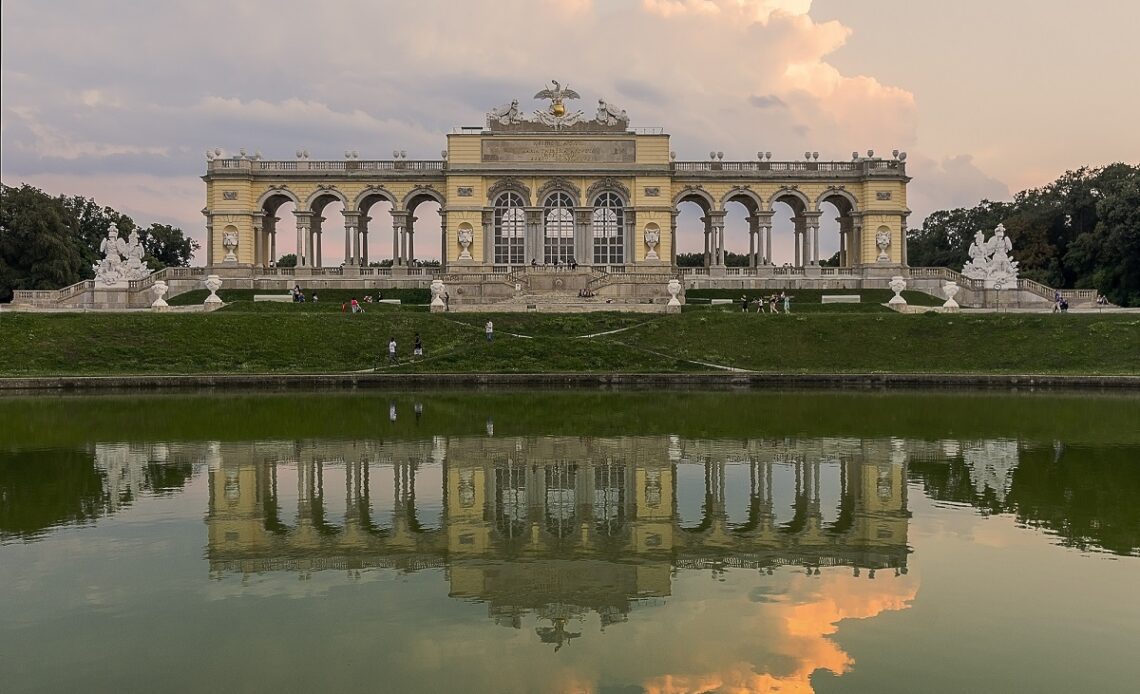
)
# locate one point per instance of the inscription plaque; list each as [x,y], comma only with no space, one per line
[560,151]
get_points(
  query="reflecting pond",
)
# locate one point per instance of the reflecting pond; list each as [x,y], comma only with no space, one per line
[610,542]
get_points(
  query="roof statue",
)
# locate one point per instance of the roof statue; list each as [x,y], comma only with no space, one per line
[556,95]
[508,118]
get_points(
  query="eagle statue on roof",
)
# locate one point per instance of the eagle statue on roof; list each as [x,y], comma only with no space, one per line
[556,96]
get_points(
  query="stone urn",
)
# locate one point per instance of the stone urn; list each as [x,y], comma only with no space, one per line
[950,289]
[652,238]
[230,242]
[883,242]
[437,290]
[466,237]
[213,301]
[897,285]
[160,290]
[674,288]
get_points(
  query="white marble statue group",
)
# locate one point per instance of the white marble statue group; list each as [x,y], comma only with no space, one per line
[122,258]
[990,260]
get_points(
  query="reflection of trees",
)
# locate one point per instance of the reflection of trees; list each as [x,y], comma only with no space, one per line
[41,489]
[46,488]
[1089,497]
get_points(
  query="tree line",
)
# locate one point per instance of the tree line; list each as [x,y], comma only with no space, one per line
[1080,231]
[51,242]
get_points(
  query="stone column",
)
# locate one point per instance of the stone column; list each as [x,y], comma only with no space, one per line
[708,230]
[304,219]
[488,236]
[410,256]
[399,224]
[209,242]
[902,249]
[443,247]
[533,248]
[583,235]
[673,238]
[753,233]
[258,219]
[855,255]
[632,241]
[351,238]
[273,246]
[798,225]
[318,234]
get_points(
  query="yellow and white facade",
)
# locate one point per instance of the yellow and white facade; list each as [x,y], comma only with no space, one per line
[554,189]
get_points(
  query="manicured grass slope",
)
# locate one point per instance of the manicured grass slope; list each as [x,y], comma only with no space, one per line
[248,339]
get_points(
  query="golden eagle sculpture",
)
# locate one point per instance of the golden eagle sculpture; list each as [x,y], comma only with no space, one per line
[556,96]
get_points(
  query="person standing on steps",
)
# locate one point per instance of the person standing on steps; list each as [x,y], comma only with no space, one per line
[490,329]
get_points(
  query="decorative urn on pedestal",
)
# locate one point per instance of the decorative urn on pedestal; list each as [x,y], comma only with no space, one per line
[213,301]
[674,288]
[897,285]
[950,289]
[160,290]
[437,302]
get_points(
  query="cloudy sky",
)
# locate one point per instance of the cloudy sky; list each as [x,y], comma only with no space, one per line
[118,99]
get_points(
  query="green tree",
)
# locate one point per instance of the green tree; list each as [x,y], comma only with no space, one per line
[287,260]
[167,246]
[38,249]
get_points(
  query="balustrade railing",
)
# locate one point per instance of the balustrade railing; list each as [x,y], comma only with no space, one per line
[828,167]
[325,165]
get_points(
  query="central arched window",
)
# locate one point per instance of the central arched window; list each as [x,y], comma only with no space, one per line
[510,229]
[609,230]
[558,228]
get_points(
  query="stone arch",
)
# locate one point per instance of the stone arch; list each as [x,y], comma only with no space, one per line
[508,184]
[745,196]
[373,191]
[559,184]
[837,234]
[421,194]
[282,192]
[607,184]
[698,195]
[787,194]
[324,192]
[851,203]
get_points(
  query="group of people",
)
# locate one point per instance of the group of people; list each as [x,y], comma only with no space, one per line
[586,294]
[1060,304]
[417,348]
[773,302]
[558,264]
[299,296]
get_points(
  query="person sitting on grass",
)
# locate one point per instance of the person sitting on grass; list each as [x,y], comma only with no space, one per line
[314,296]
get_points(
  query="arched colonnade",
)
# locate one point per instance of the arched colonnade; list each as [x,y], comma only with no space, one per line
[806,215]
[310,218]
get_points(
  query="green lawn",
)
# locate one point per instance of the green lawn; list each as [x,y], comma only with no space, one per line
[284,338]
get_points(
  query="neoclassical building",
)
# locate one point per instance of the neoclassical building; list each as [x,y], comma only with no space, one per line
[558,187]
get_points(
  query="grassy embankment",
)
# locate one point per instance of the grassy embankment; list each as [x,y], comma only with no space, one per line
[316,338]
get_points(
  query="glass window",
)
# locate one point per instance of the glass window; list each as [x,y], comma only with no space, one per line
[609,230]
[558,228]
[510,229]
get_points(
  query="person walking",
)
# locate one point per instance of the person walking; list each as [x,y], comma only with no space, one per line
[392,350]
[787,302]
[490,329]
[417,347]
[355,305]
[743,303]
[446,301]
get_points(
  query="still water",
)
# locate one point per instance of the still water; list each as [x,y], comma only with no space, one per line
[570,542]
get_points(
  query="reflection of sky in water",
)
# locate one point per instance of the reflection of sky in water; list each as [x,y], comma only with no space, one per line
[984,600]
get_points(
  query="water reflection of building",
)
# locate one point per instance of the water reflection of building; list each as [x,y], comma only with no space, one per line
[558,526]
